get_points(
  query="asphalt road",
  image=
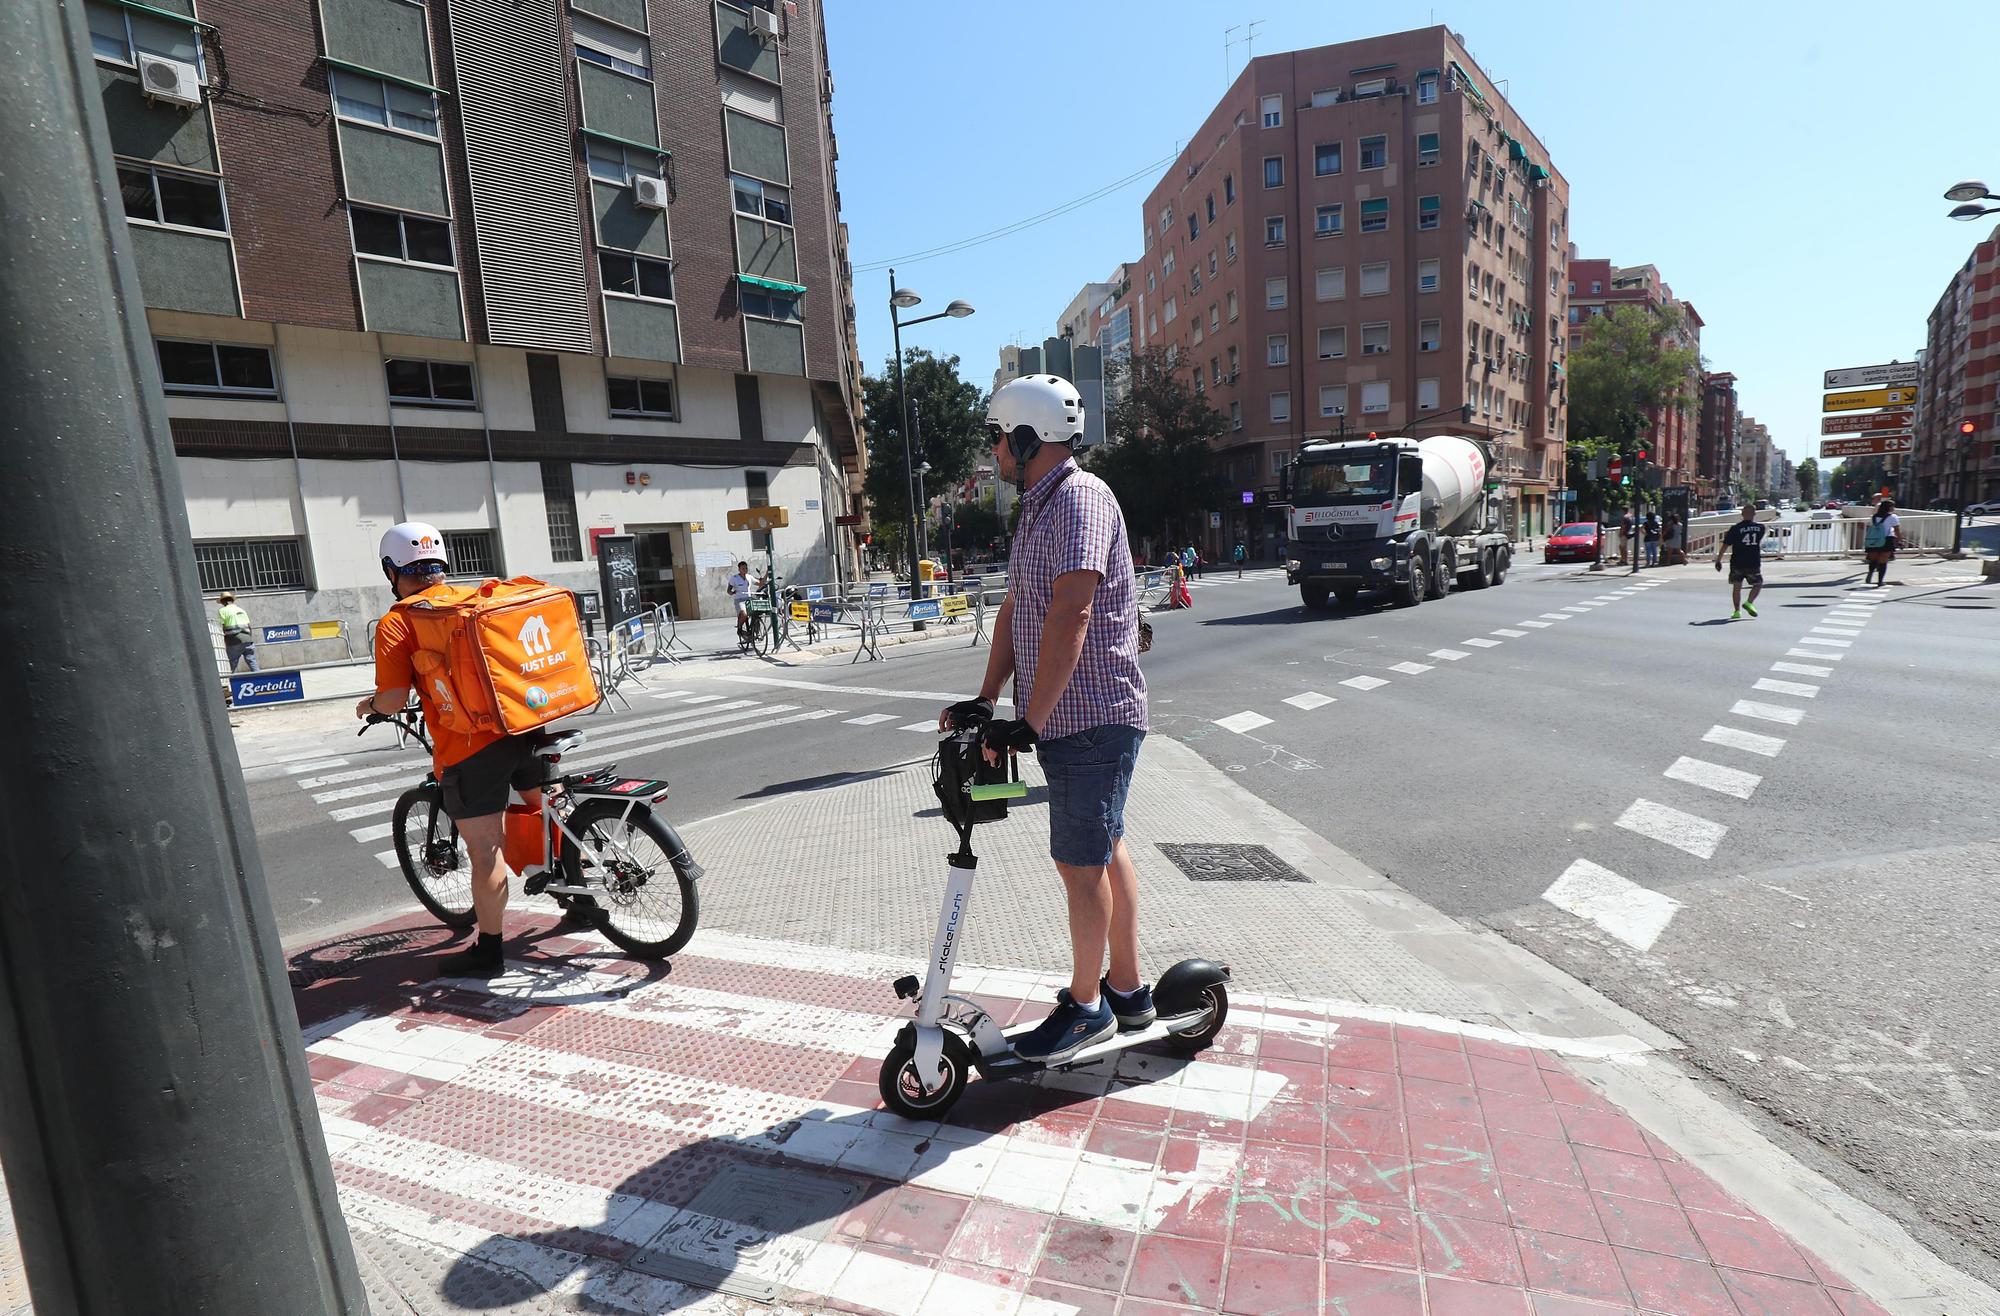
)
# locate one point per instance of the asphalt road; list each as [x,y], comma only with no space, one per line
[1805,902]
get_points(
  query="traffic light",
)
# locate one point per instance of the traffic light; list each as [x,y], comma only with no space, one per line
[1465,414]
[1640,455]
[1966,427]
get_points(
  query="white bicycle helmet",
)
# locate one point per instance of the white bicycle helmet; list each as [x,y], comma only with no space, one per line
[405,545]
[1033,410]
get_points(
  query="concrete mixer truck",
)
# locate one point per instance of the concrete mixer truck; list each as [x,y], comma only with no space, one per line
[1412,517]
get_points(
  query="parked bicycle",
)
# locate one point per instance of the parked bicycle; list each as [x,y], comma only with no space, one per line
[606,857]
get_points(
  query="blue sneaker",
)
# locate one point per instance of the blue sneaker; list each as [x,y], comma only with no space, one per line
[1134,1009]
[1068,1029]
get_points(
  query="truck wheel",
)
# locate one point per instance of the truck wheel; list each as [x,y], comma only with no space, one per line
[1314,595]
[1481,574]
[1501,558]
[1413,591]
[1444,574]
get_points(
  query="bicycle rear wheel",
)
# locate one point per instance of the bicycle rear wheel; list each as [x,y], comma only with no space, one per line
[433,859]
[646,903]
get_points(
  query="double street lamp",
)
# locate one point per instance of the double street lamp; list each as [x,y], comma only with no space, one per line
[1970,193]
[902,299]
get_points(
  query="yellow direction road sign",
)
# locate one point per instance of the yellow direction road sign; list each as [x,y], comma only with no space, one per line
[801,610]
[953,605]
[1869,398]
[1867,445]
[759,518]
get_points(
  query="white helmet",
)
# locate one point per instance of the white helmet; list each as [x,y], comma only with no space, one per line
[1033,410]
[412,542]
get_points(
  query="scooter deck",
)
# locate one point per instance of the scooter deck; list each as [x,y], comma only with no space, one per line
[1007,1063]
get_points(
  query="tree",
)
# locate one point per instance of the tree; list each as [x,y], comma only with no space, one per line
[1808,477]
[1859,479]
[950,422]
[1158,458]
[1630,366]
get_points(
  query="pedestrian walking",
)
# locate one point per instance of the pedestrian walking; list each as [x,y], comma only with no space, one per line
[1628,543]
[1192,561]
[1884,536]
[237,640]
[1745,542]
[1240,554]
[1069,636]
[1651,533]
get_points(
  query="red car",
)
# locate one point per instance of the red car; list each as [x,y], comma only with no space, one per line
[1576,542]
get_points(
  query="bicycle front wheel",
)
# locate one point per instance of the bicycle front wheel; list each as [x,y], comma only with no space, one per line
[433,859]
[647,905]
[766,638]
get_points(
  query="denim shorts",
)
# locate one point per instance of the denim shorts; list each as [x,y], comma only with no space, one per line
[1089,774]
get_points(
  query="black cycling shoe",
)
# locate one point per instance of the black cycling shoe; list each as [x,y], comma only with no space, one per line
[482,959]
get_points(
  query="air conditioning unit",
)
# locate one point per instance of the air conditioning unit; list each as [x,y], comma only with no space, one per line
[764,22]
[648,192]
[169,80]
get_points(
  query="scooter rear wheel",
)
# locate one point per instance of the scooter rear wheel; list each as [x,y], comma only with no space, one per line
[902,1089]
[1216,997]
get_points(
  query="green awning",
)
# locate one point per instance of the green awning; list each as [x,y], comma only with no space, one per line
[1377,206]
[1427,73]
[186,20]
[1556,368]
[1516,151]
[1536,173]
[366,72]
[616,140]
[773,285]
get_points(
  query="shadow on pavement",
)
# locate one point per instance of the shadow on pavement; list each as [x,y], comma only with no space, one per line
[825,781]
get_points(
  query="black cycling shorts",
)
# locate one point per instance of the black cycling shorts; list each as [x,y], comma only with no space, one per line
[478,786]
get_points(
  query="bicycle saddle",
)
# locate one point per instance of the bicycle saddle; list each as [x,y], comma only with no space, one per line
[555,744]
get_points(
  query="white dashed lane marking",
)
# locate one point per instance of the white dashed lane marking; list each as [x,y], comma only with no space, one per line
[1242,722]
[1410,669]
[1510,632]
[1364,682]
[930,726]
[1310,700]
[1830,643]
[1555,616]
[1450,655]
[1748,741]
[1669,826]
[1802,669]
[1482,644]
[870,719]
[1791,717]
[1632,913]
[1797,689]
[1714,776]
[1538,625]
[1824,655]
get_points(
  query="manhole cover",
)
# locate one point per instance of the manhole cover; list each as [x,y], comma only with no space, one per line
[1231,863]
[748,1230]
[339,959]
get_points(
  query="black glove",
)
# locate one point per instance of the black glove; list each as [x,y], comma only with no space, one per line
[1008,737]
[969,713]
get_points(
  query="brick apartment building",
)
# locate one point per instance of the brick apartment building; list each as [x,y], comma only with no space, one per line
[528,270]
[1960,384]
[1673,435]
[1362,235]
[1716,450]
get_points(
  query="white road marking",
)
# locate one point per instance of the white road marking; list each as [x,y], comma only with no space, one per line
[1509,632]
[1844,616]
[1632,913]
[1802,669]
[1410,669]
[1538,625]
[388,859]
[1555,616]
[1849,631]
[1834,644]
[1483,644]
[703,699]
[1311,699]
[357,774]
[1791,717]
[365,788]
[1749,741]
[1578,608]
[670,694]
[653,746]
[870,719]
[1683,831]
[313,765]
[1713,776]
[373,832]
[1824,655]
[1798,689]
[930,726]
[1450,655]
[876,691]
[354,811]
[1606,598]
[1364,682]
[1242,722]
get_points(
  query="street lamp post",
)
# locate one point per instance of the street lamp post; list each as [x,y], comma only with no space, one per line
[924,518]
[903,299]
[1971,193]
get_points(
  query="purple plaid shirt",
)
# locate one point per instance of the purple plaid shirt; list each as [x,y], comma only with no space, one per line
[1070,522]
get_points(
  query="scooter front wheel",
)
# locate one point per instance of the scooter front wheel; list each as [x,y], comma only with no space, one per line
[903,1088]
[1215,998]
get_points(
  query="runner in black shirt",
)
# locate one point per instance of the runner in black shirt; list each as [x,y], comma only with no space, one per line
[1745,542]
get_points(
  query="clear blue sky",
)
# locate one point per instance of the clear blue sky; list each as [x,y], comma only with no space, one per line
[1783,164]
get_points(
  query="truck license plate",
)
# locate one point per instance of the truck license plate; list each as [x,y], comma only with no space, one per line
[1332,566]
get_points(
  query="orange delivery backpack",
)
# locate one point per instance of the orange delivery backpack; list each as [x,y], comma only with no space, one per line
[502,655]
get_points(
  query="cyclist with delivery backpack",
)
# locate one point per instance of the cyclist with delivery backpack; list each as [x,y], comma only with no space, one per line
[490,662]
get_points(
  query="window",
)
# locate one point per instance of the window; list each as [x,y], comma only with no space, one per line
[401,237]
[1375,215]
[1197,330]
[1375,153]
[1234,362]
[384,104]
[611,47]
[229,369]
[1333,399]
[1235,415]
[1274,293]
[1375,396]
[1472,280]
[1274,231]
[1215,369]
[1427,212]
[635,276]
[1326,159]
[559,500]
[1281,408]
[1171,311]
[1229,248]
[1333,342]
[1152,324]
[1167,263]
[1427,149]
[1194,279]
[1273,108]
[117,34]
[1166,218]
[429,383]
[761,200]
[247,564]
[470,553]
[1427,88]
[1572,287]
[1375,338]
[1327,221]
[1574,314]
[1229,189]
[1325,96]
[1596,285]
[1173,355]
[1214,317]
[156,196]
[1211,264]
[1150,285]
[1208,207]
[651,399]
[1375,279]
[1371,87]
[1330,285]
[1427,276]
[1274,171]
[1277,350]
[1427,395]
[764,305]
[1430,334]
[1232,307]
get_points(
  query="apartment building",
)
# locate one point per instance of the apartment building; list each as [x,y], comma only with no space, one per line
[1716,447]
[1754,456]
[1362,237]
[533,271]
[1960,386]
[1673,432]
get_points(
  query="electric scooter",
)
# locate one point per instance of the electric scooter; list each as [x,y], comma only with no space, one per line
[933,1056]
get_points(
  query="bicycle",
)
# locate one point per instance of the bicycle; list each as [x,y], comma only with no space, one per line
[610,850]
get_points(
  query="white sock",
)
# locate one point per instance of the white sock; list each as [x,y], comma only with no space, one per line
[1082,1004]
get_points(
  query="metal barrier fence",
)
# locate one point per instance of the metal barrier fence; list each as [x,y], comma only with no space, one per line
[303,632]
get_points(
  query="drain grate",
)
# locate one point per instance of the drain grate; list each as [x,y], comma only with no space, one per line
[1231,863]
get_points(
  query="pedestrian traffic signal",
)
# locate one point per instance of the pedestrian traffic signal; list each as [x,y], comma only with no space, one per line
[1966,427]
[1625,479]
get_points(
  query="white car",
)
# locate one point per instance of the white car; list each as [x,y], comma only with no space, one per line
[1991,507]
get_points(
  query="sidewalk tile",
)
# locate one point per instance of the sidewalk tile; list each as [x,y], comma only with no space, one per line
[1268,1283]
[1440,1100]
[1439,1066]
[1548,1304]
[1378,1132]
[1853,1304]
[1529,1157]
[1467,1189]
[1000,1237]
[1182,1270]
[1367,1179]
[1617,1172]
[1369,1088]
[1128,1142]
[1749,1245]
[1085,1254]
[1551,1208]
[1502,1110]
[1367,1291]
[1371,1233]
[1612,1132]
[1771,1295]
[1648,1226]
[1450,1297]
[1674,1284]
[1571,1266]
[1088,1302]
[1466,1248]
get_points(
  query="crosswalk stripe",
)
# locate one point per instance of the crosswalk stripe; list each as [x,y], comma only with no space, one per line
[359,774]
[1483,644]
[1849,631]
[1242,722]
[374,832]
[365,788]
[1410,669]
[1797,689]
[313,765]
[1450,655]
[1310,700]
[1669,826]
[1748,741]
[1538,625]
[388,859]
[1714,777]
[919,726]
[1634,914]
[1509,632]
[1364,682]
[875,691]
[1823,655]
[353,811]
[1802,669]
[1555,616]
[1836,644]
[1791,717]
[703,699]
[810,715]
[1606,598]
[870,719]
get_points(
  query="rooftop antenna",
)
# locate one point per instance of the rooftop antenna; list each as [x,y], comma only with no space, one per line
[1248,41]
